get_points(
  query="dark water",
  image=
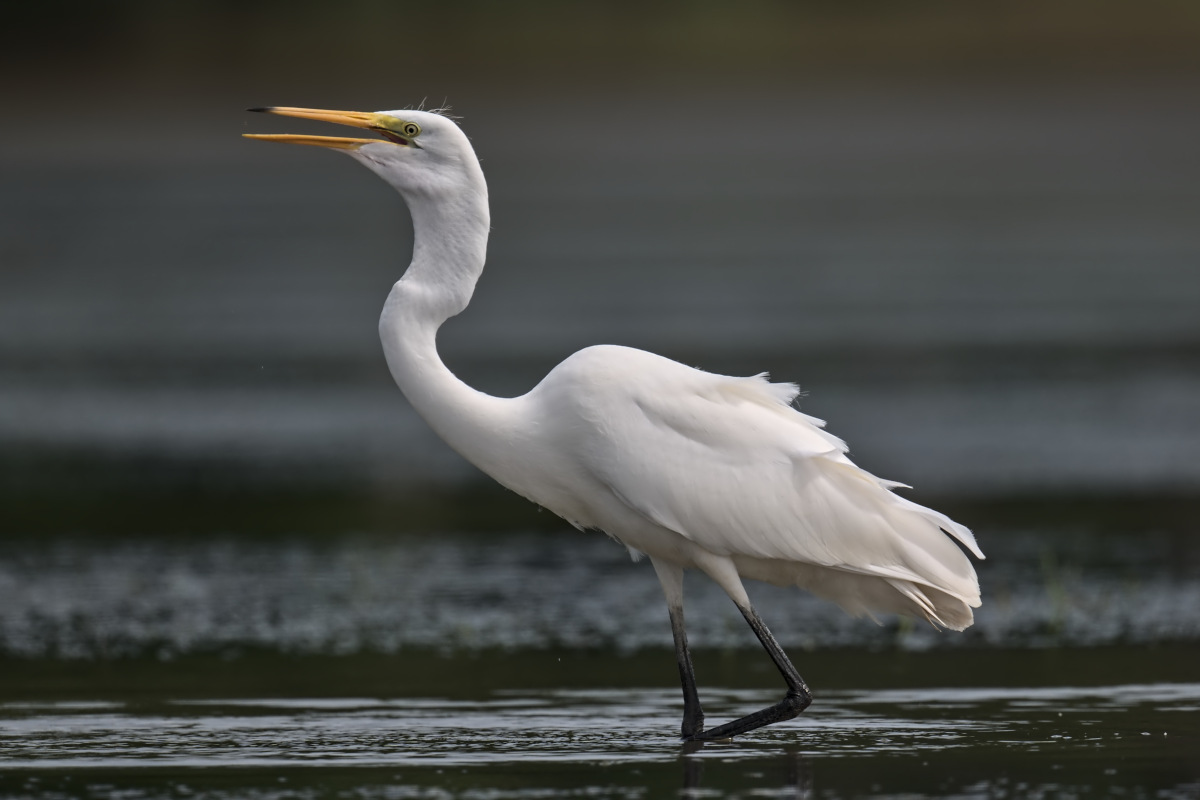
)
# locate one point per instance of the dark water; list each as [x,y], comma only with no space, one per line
[1132,740]
[539,665]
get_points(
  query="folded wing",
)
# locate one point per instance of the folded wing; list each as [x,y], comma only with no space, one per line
[732,466]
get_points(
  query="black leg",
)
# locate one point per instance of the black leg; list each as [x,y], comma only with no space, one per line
[796,700]
[693,714]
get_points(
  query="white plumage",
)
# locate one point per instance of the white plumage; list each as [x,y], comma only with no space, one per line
[695,470]
[728,465]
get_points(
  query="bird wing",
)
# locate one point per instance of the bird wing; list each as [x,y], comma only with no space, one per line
[729,464]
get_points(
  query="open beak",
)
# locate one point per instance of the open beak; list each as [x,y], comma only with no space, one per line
[379,123]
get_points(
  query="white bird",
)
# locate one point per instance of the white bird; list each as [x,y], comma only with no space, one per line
[695,470]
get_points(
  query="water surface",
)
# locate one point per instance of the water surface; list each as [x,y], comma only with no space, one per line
[538,664]
[1138,740]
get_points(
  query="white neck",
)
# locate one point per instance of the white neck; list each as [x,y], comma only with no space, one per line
[450,244]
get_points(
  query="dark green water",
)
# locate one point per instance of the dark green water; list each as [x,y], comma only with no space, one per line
[1138,740]
[530,665]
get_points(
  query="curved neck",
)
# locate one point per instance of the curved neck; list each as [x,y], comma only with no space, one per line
[450,234]
[450,244]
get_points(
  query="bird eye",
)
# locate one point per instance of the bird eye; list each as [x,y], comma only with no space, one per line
[411,129]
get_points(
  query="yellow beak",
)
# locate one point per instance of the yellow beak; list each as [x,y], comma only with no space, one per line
[356,119]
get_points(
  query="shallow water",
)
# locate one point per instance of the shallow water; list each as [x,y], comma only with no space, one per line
[524,665]
[1137,740]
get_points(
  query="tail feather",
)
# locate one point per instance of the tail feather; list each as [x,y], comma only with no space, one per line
[943,610]
[960,532]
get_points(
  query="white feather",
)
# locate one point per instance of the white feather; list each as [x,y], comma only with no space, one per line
[730,466]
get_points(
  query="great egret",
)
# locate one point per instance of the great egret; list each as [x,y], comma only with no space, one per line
[694,470]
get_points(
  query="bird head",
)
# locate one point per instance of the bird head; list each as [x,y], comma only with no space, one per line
[417,152]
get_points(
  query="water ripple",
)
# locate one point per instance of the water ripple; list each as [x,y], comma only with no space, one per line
[600,726]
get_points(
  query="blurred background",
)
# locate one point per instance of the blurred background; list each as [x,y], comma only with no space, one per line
[970,234]
[969,231]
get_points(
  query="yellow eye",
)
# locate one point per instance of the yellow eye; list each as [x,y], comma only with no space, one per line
[410,129]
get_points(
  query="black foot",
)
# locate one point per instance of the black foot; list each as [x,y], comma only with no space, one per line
[787,708]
